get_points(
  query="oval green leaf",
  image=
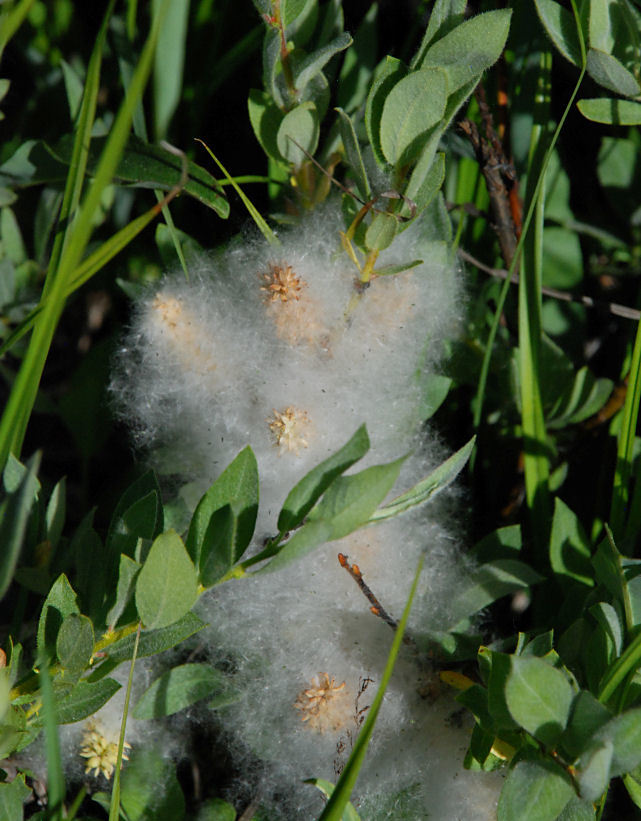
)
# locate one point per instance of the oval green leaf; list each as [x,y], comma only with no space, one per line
[538,697]
[611,111]
[166,587]
[298,133]
[74,644]
[412,107]
[534,791]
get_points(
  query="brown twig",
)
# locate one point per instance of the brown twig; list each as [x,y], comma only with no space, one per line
[500,178]
[376,607]
[564,296]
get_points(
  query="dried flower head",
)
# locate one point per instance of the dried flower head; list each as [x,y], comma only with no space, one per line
[101,752]
[281,283]
[294,312]
[189,340]
[289,428]
[325,706]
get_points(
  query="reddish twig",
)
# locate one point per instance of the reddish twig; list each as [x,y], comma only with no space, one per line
[376,607]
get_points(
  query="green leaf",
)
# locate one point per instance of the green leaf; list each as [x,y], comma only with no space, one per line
[236,487]
[298,133]
[583,398]
[311,487]
[149,788]
[538,697]
[153,642]
[387,76]
[587,715]
[413,106]
[13,795]
[60,603]
[127,574]
[178,688]
[327,788]
[469,49]
[609,620]
[166,587]
[168,62]
[265,118]
[56,512]
[438,480]
[145,166]
[74,643]
[569,546]
[427,177]
[215,809]
[138,490]
[559,24]
[577,810]
[534,791]
[503,543]
[313,63]
[633,787]
[217,554]
[85,699]
[400,268]
[381,232]
[353,153]
[14,515]
[444,16]
[624,733]
[611,111]
[492,581]
[611,74]
[347,505]
[593,773]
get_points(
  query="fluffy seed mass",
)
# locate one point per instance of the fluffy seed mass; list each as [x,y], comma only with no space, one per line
[289,354]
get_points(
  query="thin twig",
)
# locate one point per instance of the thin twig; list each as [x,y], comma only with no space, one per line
[565,296]
[376,607]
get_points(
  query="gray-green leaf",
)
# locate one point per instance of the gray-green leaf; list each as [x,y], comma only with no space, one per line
[166,587]
[412,107]
[538,697]
[177,688]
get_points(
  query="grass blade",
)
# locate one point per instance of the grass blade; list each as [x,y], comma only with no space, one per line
[18,409]
[340,797]
[625,445]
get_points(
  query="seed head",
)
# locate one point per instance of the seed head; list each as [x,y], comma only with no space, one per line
[289,428]
[101,753]
[325,706]
[189,341]
[281,283]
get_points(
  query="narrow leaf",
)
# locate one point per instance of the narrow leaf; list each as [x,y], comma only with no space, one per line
[311,487]
[438,480]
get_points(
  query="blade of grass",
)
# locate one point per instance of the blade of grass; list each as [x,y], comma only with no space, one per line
[18,409]
[342,791]
[625,447]
[535,449]
[266,231]
[114,806]
[10,21]
[80,152]
[55,777]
